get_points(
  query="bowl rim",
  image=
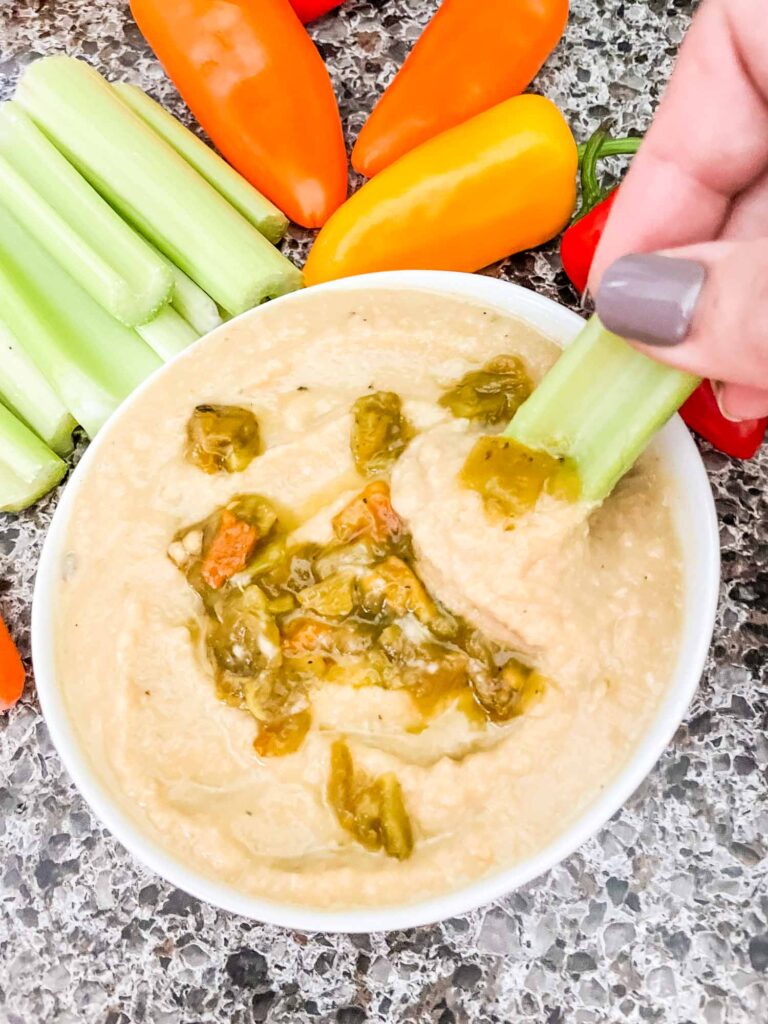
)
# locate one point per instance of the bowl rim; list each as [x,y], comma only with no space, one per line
[675,443]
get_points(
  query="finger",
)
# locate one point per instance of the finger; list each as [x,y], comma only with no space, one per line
[748,216]
[708,141]
[701,308]
[742,402]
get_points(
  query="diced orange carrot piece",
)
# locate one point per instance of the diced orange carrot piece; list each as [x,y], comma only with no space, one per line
[371,514]
[229,550]
[302,636]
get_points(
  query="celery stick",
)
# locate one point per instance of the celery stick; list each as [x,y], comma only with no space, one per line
[600,404]
[255,207]
[168,334]
[146,181]
[27,393]
[191,302]
[28,468]
[90,360]
[58,206]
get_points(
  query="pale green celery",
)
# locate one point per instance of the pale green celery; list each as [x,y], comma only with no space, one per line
[255,207]
[153,188]
[78,228]
[90,360]
[599,405]
[28,467]
[27,393]
[190,301]
[168,334]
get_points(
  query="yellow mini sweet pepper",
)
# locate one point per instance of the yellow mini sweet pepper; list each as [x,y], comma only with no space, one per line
[499,183]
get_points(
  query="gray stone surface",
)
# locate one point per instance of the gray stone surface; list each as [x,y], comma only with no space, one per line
[662,917]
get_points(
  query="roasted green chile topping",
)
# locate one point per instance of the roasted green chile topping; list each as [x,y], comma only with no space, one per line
[491,395]
[371,810]
[510,477]
[283,618]
[222,438]
[380,432]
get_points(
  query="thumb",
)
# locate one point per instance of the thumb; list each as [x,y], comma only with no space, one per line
[740,401]
[701,308]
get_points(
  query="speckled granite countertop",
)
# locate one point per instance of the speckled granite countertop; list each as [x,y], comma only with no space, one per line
[662,917]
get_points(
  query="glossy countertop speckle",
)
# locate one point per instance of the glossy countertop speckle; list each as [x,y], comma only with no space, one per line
[663,916]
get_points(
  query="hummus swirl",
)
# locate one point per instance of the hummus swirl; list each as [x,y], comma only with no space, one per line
[592,600]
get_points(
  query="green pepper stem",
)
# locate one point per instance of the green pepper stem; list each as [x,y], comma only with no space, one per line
[599,145]
[614,147]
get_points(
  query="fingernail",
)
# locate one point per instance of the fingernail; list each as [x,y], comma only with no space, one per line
[651,298]
[717,390]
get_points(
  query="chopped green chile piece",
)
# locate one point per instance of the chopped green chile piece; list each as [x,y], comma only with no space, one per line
[254,509]
[222,438]
[291,573]
[393,589]
[397,834]
[245,640]
[229,689]
[345,558]
[333,596]
[266,559]
[273,694]
[372,811]
[511,477]
[491,395]
[380,432]
[431,673]
[306,667]
[281,605]
[510,692]
[341,783]
[284,736]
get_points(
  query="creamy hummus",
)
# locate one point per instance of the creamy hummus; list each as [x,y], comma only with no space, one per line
[591,600]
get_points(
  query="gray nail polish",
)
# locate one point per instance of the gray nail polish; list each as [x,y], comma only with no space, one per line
[651,298]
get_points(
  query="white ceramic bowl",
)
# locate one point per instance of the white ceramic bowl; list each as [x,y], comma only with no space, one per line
[697,526]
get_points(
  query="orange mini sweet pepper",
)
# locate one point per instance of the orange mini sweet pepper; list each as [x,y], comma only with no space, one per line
[254,80]
[11,670]
[472,55]
[501,182]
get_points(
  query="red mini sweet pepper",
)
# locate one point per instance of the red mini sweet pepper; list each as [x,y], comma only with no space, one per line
[308,10]
[742,438]
[577,250]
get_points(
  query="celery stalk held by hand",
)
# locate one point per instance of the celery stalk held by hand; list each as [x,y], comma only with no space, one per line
[152,187]
[28,468]
[90,360]
[255,207]
[599,405]
[78,228]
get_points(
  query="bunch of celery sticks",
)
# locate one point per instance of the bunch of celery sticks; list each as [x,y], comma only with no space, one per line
[123,238]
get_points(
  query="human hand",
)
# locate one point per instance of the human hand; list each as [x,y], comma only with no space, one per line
[696,197]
